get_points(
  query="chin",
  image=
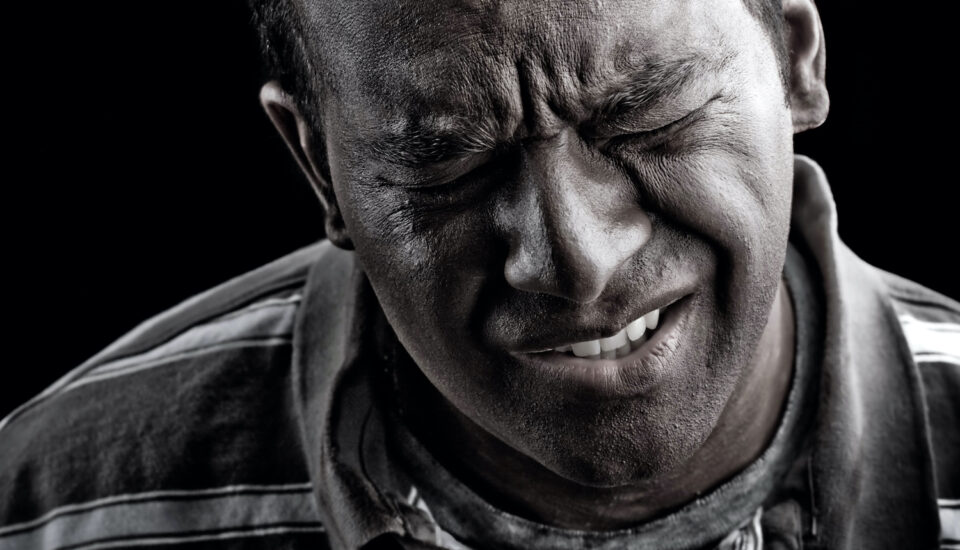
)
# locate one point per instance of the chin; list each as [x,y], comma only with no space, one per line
[619,448]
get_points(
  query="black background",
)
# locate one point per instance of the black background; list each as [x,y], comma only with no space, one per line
[141,170]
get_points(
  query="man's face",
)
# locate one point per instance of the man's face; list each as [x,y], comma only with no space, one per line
[520,176]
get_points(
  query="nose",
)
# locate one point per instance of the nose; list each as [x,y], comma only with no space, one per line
[573,219]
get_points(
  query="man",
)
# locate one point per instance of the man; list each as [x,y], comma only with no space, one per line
[578,293]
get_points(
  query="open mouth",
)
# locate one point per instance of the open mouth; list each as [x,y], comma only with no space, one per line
[620,344]
[628,339]
[631,362]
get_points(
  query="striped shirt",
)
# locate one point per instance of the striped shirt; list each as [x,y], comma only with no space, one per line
[931,326]
[233,421]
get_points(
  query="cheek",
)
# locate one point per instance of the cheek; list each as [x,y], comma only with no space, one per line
[732,194]
[426,266]
[731,187]
[428,274]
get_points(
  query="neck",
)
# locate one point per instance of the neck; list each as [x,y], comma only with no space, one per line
[517,484]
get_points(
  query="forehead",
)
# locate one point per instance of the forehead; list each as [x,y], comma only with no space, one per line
[504,63]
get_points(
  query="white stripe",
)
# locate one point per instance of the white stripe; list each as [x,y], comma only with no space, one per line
[925,337]
[166,514]
[936,358]
[239,344]
[936,326]
[268,303]
[950,523]
[258,323]
[131,543]
[441,538]
[942,326]
[148,495]
[946,502]
[91,364]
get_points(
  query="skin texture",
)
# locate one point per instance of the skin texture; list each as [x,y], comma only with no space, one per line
[517,175]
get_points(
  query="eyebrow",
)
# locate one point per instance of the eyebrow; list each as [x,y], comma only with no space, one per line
[645,86]
[421,145]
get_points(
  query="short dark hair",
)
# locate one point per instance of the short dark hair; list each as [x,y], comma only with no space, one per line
[284,53]
[287,56]
[770,15]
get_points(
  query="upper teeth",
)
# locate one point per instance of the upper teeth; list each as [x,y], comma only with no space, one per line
[617,345]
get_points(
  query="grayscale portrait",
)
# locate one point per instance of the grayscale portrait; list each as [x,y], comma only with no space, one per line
[572,280]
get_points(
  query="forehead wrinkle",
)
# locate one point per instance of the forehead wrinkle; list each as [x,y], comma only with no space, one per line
[420,116]
[460,73]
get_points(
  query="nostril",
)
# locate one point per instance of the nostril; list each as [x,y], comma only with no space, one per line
[527,270]
[574,277]
[582,278]
[575,256]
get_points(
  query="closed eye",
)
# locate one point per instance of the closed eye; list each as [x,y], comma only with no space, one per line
[436,175]
[648,139]
[653,138]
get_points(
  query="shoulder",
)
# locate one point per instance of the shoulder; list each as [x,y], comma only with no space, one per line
[189,416]
[931,326]
[930,322]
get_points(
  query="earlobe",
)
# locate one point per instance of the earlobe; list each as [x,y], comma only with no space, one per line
[283,112]
[809,100]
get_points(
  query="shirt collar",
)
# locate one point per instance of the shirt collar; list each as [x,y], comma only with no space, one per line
[872,472]
[333,397]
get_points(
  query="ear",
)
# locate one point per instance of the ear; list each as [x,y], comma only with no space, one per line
[296,132]
[809,100]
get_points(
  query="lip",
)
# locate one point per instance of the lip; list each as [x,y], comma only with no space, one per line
[623,377]
[541,346]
